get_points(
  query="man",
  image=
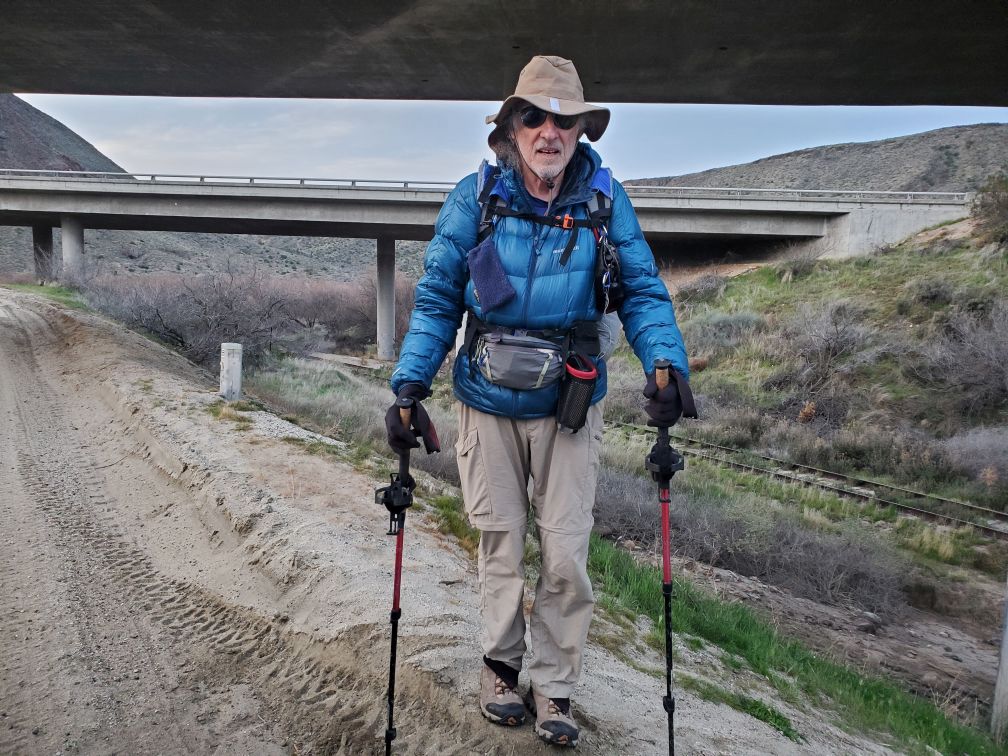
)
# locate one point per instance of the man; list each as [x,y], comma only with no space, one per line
[516,247]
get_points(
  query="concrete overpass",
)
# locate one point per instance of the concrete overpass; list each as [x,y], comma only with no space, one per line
[840,223]
[774,52]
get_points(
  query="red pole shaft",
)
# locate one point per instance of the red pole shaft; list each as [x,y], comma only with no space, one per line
[398,570]
[664,498]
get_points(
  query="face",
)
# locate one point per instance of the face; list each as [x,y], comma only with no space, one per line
[546,149]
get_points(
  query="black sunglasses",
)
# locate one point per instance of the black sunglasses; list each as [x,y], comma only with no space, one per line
[533,117]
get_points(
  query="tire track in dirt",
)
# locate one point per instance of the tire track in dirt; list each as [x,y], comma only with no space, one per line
[316,690]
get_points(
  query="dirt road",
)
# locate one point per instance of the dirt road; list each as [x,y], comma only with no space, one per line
[171,583]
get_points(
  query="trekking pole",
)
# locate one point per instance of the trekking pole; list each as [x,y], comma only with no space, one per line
[663,462]
[397,498]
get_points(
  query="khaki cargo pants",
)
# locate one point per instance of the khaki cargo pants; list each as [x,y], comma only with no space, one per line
[506,466]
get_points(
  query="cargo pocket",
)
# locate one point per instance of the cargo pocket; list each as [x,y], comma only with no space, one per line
[472,473]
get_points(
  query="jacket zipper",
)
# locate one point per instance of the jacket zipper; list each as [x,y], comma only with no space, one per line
[537,231]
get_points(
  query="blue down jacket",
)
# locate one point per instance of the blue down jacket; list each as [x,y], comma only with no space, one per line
[548,295]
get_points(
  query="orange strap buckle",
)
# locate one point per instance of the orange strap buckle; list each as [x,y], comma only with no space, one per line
[566,222]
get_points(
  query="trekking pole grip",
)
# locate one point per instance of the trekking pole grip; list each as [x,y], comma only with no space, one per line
[661,373]
[661,376]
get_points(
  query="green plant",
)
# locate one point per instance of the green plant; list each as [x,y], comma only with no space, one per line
[866,702]
[741,702]
[65,296]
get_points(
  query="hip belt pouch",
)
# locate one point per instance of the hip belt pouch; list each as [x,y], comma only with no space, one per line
[576,393]
[518,362]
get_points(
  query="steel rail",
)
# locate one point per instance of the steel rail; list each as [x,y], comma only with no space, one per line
[866,482]
[842,490]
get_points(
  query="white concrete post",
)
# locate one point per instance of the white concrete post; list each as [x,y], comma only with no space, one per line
[999,709]
[72,245]
[230,371]
[386,298]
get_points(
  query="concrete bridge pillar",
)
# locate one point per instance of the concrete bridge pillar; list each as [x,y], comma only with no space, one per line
[72,243]
[386,298]
[42,243]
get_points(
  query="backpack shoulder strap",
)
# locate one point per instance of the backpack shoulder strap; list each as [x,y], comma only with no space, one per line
[600,202]
[487,179]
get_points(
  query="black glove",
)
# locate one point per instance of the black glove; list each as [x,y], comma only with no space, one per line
[665,406]
[401,438]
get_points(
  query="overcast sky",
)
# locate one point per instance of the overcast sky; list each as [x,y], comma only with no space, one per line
[443,141]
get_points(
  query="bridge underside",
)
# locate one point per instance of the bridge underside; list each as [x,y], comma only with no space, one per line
[778,52]
[266,227]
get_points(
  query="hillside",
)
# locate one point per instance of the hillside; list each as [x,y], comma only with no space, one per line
[30,139]
[954,159]
[891,364]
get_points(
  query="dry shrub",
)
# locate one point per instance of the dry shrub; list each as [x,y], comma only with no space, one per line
[863,448]
[733,425]
[807,413]
[354,321]
[799,259]
[982,451]
[822,338]
[924,292]
[196,314]
[968,363]
[19,278]
[708,287]
[846,567]
[990,207]
[266,314]
[716,333]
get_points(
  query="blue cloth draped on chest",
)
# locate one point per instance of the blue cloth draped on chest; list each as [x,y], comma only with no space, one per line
[490,283]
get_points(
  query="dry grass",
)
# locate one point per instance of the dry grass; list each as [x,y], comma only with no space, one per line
[268,315]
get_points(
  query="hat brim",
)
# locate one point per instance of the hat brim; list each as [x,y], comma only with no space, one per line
[596,121]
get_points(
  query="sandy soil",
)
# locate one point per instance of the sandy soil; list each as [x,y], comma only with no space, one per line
[174,585]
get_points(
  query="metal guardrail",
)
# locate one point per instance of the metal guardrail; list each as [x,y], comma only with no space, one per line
[674,191]
[636,189]
[176,178]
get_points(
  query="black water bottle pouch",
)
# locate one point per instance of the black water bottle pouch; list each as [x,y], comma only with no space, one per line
[608,280]
[576,391]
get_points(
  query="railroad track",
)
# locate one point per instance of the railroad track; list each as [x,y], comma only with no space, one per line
[989,522]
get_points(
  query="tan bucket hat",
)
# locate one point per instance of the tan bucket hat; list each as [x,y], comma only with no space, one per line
[552,84]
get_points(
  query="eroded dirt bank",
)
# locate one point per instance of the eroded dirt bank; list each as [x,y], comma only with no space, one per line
[173,585]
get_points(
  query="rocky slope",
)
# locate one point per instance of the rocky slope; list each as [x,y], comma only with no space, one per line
[31,139]
[954,159]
